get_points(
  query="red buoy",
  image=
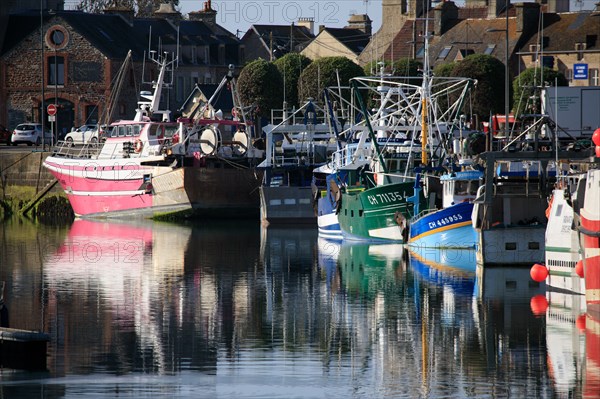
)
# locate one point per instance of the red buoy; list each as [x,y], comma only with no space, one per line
[579,269]
[539,305]
[580,322]
[596,136]
[538,272]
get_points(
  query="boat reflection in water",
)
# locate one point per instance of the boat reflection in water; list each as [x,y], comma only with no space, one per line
[230,310]
[128,273]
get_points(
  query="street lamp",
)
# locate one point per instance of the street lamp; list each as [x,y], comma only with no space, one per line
[506,76]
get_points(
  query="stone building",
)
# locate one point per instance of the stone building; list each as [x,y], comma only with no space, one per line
[83,53]
[348,42]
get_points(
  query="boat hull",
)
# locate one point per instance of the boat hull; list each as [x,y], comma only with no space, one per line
[377,214]
[446,228]
[327,218]
[562,247]
[117,188]
[514,246]
[287,204]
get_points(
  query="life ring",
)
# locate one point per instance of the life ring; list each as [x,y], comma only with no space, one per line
[138,146]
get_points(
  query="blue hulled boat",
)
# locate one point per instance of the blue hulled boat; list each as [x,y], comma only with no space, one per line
[450,226]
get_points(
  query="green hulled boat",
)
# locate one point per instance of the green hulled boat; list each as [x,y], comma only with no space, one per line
[380,213]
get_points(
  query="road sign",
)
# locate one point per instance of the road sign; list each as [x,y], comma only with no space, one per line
[580,71]
[51,118]
[51,109]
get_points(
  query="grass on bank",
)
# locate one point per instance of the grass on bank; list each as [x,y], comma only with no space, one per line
[54,205]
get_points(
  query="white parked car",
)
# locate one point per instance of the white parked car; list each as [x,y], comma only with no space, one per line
[30,133]
[84,134]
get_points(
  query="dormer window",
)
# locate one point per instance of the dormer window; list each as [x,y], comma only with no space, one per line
[489,49]
[444,53]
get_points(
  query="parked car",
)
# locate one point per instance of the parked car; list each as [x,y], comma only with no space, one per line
[84,134]
[4,135]
[30,133]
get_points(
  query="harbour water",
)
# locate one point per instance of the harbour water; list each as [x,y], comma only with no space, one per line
[233,309]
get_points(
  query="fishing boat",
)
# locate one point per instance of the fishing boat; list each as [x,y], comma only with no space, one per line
[450,226]
[412,131]
[152,166]
[295,146]
[587,210]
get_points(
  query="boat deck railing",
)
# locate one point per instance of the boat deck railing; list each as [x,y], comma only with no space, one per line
[67,150]
[421,214]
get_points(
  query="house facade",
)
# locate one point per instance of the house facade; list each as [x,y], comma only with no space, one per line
[348,42]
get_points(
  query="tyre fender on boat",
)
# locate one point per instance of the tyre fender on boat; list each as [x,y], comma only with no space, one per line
[401,221]
[336,196]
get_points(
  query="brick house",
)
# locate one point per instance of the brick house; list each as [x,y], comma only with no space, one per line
[83,53]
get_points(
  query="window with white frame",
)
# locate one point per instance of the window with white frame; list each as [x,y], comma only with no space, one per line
[594,77]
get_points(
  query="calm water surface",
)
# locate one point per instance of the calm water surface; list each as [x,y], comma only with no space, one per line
[221,310]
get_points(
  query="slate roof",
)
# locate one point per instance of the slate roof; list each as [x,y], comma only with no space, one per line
[562,31]
[114,36]
[355,39]
[281,36]
[464,36]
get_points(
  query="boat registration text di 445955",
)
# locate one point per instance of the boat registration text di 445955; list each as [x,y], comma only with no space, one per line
[385,198]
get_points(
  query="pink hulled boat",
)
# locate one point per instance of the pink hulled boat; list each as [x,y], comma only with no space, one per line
[202,163]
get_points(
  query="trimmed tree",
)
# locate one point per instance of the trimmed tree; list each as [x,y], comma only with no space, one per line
[260,83]
[290,67]
[488,95]
[407,67]
[444,70]
[400,67]
[526,88]
[321,73]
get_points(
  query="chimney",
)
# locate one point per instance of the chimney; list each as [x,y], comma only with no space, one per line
[528,15]
[556,6]
[167,11]
[443,16]
[207,15]
[361,22]
[495,7]
[308,23]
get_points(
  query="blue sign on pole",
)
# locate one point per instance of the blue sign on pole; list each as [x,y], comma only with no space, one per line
[580,71]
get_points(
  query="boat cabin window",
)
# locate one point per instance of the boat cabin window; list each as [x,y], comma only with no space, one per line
[170,130]
[155,130]
[468,187]
[122,130]
[129,132]
[136,130]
